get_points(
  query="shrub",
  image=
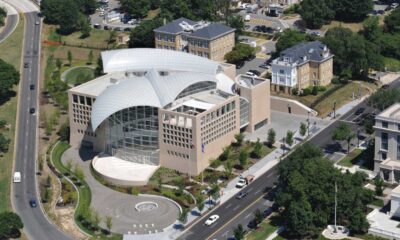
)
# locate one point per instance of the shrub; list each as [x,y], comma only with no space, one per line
[306,92]
[216,163]
[295,91]
[322,88]
[314,91]
[335,80]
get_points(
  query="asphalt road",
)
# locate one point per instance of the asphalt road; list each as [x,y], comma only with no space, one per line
[234,212]
[12,21]
[36,225]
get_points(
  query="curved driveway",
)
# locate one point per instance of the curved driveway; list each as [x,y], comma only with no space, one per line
[11,21]
[121,206]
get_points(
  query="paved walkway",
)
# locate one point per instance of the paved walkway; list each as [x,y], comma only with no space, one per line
[153,215]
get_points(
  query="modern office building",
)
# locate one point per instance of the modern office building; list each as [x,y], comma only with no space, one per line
[205,39]
[304,65]
[387,144]
[156,107]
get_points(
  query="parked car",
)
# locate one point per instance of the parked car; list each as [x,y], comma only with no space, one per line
[251,74]
[265,65]
[239,65]
[97,25]
[252,224]
[26,65]
[257,73]
[32,87]
[211,220]
[247,18]
[33,203]
[241,195]
[241,183]
[359,111]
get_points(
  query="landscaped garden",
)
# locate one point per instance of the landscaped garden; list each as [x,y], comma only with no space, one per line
[79,75]
[364,157]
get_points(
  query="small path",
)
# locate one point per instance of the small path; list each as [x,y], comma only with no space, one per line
[64,74]
[121,206]
[11,21]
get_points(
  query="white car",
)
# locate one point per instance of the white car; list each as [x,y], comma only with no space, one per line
[251,74]
[244,6]
[212,220]
[247,18]
[241,183]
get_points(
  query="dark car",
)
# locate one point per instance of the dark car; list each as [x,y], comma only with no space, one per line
[252,224]
[239,65]
[96,25]
[127,29]
[32,203]
[32,110]
[267,212]
[106,27]
[32,86]
[241,195]
[26,65]
[359,111]
[251,57]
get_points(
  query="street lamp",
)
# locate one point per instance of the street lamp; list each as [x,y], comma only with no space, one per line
[308,123]
[334,109]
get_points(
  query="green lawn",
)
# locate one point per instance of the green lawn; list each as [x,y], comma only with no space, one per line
[98,39]
[378,202]
[79,75]
[392,64]
[10,51]
[264,230]
[351,158]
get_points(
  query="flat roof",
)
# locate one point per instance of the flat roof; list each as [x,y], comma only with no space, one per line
[96,86]
[194,103]
[392,112]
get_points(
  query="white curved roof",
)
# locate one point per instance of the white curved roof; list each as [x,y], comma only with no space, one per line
[161,59]
[148,90]
[224,83]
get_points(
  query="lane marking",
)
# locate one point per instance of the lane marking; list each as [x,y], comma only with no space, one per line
[233,218]
[229,205]
[259,190]
[250,190]
[247,216]
[236,208]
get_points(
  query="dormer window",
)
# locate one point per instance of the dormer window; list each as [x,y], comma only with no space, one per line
[286,59]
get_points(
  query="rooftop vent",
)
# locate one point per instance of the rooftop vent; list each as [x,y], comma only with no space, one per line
[311,50]
[186,26]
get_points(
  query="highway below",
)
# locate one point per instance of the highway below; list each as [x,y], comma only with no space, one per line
[11,24]
[234,211]
[36,225]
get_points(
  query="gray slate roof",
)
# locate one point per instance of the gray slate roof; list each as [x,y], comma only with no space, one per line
[313,51]
[211,31]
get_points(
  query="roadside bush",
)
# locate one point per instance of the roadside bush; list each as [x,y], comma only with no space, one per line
[306,92]
[295,91]
[321,88]
[335,80]
[216,163]
[314,90]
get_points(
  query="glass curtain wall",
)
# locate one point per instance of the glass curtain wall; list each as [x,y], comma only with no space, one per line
[132,135]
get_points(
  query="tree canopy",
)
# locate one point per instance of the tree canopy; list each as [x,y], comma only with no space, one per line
[8,78]
[239,53]
[306,192]
[383,98]
[10,225]
[289,38]
[319,12]
[137,8]
[143,35]
[3,15]
[392,21]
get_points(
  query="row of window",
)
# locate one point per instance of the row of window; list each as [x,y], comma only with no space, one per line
[165,38]
[165,47]
[177,128]
[210,117]
[385,145]
[198,43]
[386,125]
[219,120]
[178,154]
[87,133]
[221,132]
[82,100]
[179,144]
[200,53]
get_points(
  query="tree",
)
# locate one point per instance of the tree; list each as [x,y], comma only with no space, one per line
[69,57]
[225,154]
[271,137]
[48,181]
[9,77]
[228,167]
[258,216]
[80,175]
[316,13]
[137,8]
[10,225]
[4,143]
[392,21]
[64,132]
[369,126]
[99,68]
[257,150]
[378,186]
[159,182]
[183,216]
[58,63]
[239,232]
[239,53]
[239,139]
[371,30]
[289,138]
[343,133]
[352,11]
[243,158]
[214,192]
[236,22]
[85,28]
[303,129]
[180,183]
[108,222]
[143,35]
[383,98]
[69,17]
[289,38]
[90,57]
[200,203]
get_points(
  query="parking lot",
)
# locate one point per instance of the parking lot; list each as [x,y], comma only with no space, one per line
[109,17]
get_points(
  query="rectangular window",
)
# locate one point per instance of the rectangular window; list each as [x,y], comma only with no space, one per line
[89,101]
[81,99]
[75,98]
[384,141]
[385,124]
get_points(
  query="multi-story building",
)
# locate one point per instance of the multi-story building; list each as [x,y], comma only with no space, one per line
[387,144]
[205,39]
[306,64]
[164,108]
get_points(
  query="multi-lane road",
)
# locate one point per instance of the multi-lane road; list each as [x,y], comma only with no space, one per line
[36,225]
[234,211]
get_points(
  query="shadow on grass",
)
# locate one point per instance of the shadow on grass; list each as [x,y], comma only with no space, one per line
[6,97]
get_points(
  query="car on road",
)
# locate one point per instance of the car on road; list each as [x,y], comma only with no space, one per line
[32,110]
[241,195]
[26,65]
[252,224]
[239,65]
[257,73]
[32,203]
[241,183]
[32,87]
[251,74]
[211,220]
[37,23]
[17,177]
[359,111]
[265,65]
